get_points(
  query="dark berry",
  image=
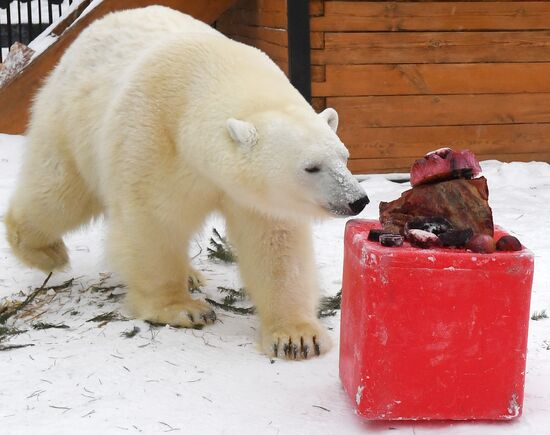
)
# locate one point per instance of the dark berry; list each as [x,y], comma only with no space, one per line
[481,243]
[391,240]
[375,233]
[457,238]
[508,243]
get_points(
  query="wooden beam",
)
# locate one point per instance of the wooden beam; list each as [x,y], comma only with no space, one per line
[430,110]
[367,16]
[433,47]
[430,79]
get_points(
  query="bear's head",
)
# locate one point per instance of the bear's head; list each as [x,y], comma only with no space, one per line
[292,162]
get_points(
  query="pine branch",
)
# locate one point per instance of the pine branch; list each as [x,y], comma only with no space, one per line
[42,325]
[6,332]
[8,311]
[538,315]
[130,333]
[329,305]
[220,249]
[231,308]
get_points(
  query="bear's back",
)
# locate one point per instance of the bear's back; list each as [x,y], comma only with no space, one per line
[102,54]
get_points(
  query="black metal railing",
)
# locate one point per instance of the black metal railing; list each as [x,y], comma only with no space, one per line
[24,20]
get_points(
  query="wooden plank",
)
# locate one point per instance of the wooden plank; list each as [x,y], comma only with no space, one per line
[402,111]
[317,39]
[412,142]
[353,16]
[433,47]
[273,19]
[317,74]
[370,166]
[16,97]
[274,51]
[273,36]
[262,5]
[316,7]
[428,79]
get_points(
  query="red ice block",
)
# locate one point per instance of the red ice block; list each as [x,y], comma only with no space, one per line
[433,333]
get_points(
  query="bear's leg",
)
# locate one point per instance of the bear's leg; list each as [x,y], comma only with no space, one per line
[278,269]
[154,264]
[51,199]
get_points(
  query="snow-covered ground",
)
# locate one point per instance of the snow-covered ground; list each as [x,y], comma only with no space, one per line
[89,379]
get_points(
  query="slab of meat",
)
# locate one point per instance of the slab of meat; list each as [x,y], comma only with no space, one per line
[462,202]
[444,164]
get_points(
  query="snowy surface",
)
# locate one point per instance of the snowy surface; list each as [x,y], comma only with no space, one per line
[88,379]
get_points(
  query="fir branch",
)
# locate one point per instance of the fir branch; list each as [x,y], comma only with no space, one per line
[8,311]
[130,333]
[43,325]
[6,331]
[230,307]
[220,249]
[107,317]
[539,315]
[329,305]
[13,346]
[232,295]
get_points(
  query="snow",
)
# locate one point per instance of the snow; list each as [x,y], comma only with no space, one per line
[89,379]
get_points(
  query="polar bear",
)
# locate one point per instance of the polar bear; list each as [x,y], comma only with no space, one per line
[157,120]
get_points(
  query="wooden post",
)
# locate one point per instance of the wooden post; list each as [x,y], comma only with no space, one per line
[299,62]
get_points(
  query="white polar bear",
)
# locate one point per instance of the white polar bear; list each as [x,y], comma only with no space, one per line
[158,120]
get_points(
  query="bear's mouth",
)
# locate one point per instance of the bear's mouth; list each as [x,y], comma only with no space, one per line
[339,211]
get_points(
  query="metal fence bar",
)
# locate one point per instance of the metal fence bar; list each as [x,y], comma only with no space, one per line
[50,15]
[29,19]
[40,14]
[19,33]
[1,48]
[24,22]
[10,34]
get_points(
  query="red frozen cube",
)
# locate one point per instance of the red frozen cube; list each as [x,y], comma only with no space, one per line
[433,333]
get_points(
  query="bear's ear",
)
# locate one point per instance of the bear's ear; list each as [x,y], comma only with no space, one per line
[331,117]
[242,132]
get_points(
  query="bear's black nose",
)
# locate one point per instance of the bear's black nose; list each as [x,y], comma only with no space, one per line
[358,206]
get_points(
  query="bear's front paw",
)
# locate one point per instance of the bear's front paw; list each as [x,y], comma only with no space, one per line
[296,340]
[193,313]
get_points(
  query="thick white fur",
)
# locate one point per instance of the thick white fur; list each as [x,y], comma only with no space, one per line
[157,120]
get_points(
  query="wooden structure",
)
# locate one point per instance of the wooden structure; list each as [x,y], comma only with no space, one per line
[405,76]
[16,97]
[410,76]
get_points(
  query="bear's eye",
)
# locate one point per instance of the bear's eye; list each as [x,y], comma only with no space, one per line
[312,169]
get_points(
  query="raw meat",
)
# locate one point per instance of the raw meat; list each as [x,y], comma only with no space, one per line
[462,202]
[444,164]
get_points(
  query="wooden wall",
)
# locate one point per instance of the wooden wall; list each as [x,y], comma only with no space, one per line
[405,76]
[408,77]
[260,23]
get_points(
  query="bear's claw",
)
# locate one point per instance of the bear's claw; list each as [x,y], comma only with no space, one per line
[193,313]
[296,342]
